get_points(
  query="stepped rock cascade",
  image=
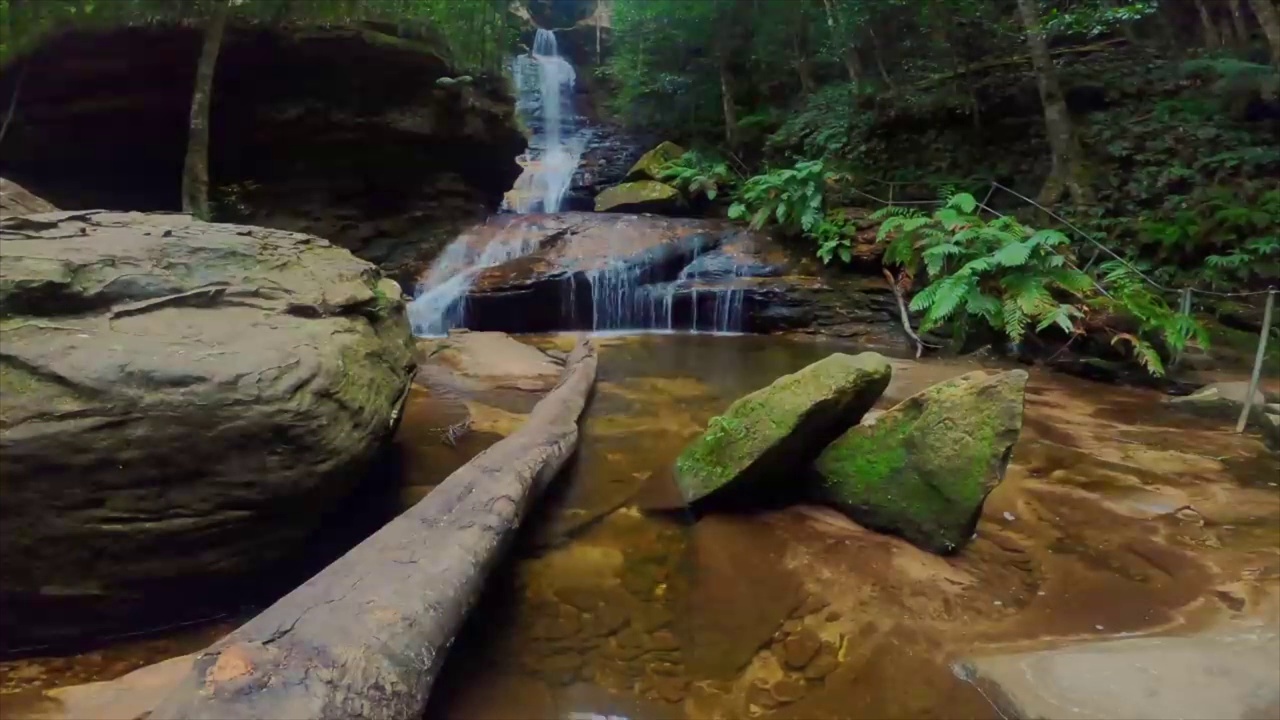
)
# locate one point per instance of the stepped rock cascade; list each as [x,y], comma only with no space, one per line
[632,277]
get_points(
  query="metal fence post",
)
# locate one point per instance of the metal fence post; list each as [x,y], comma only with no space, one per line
[1257,361]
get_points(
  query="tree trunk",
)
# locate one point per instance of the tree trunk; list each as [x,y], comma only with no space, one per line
[875,49]
[1269,18]
[1237,19]
[195,171]
[1211,39]
[366,637]
[726,99]
[853,64]
[1068,164]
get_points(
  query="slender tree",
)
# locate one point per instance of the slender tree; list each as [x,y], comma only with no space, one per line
[1067,170]
[1269,18]
[195,171]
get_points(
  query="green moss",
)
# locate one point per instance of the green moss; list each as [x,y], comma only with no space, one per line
[837,389]
[923,469]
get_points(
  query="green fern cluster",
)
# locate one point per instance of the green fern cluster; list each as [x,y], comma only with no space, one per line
[998,272]
[695,175]
[1132,296]
[791,198]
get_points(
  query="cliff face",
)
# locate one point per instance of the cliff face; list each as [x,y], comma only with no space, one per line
[350,133]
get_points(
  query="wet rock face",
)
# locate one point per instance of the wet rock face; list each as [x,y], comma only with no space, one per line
[339,132]
[179,401]
[617,271]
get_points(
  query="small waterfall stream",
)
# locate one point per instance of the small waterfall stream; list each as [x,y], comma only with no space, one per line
[545,83]
[624,295]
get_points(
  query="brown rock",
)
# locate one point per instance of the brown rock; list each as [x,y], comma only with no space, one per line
[823,665]
[758,694]
[811,605]
[664,640]
[791,626]
[669,688]
[800,649]
[787,690]
[17,200]
[834,615]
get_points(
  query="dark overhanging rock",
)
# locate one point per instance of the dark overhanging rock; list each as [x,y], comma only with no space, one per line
[341,132]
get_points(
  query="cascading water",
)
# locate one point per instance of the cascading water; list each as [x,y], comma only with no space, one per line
[624,295]
[545,82]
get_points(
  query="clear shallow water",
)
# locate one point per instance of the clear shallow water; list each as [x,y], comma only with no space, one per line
[603,609]
[797,613]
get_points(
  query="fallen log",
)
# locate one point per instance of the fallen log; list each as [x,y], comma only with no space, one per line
[366,637]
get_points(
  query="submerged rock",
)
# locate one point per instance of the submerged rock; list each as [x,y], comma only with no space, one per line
[1228,674]
[180,401]
[650,164]
[768,434]
[922,469]
[639,196]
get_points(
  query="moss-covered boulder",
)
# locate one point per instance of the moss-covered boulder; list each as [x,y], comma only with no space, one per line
[922,469]
[647,167]
[180,404]
[640,196]
[769,434]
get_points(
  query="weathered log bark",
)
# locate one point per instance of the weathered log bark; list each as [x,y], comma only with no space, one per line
[366,637]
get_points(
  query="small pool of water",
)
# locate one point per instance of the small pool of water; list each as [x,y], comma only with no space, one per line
[606,610]
[1116,518]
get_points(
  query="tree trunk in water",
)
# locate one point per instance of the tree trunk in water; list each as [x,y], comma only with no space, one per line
[366,637]
[726,99]
[1068,164]
[1211,39]
[195,171]
[1269,18]
[1237,19]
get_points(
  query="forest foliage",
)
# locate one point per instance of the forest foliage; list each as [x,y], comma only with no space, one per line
[1149,126]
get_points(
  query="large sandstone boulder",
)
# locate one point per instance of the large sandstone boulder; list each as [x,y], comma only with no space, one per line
[650,164]
[179,399]
[923,468]
[768,434]
[639,196]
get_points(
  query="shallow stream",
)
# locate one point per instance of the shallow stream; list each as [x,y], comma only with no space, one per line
[1116,518]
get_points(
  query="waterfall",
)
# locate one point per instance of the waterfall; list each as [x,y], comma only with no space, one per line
[544,83]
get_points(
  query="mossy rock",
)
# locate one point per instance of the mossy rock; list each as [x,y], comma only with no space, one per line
[650,163]
[922,469]
[766,435]
[640,196]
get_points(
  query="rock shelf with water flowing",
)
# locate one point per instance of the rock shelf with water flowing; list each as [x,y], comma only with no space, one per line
[611,272]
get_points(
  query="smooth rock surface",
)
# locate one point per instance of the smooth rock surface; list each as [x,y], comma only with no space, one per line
[180,400]
[16,200]
[1221,676]
[648,196]
[650,163]
[922,469]
[766,435]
